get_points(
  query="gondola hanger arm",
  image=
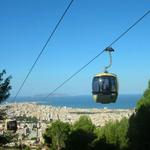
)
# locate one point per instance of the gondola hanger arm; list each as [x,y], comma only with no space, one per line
[109,50]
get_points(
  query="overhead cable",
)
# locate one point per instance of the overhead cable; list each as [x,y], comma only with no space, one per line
[43,48]
[109,45]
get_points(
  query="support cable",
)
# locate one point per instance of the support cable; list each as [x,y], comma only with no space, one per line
[43,48]
[84,66]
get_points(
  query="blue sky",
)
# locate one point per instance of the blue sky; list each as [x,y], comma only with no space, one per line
[88,27]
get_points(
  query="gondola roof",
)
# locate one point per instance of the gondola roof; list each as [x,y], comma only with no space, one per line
[105,74]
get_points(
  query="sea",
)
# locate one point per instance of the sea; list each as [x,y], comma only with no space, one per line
[127,101]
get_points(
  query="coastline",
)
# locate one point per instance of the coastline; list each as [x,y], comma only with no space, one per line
[124,101]
[98,116]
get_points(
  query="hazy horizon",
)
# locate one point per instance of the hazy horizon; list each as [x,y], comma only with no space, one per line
[88,28]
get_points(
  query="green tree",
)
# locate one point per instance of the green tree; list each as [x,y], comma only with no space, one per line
[4,86]
[57,135]
[82,134]
[145,100]
[48,136]
[8,137]
[84,123]
[3,114]
[102,144]
[139,124]
[114,135]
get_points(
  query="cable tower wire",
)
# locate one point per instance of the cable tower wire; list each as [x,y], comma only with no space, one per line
[43,48]
[84,66]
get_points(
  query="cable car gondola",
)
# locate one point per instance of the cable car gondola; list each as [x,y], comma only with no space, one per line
[105,85]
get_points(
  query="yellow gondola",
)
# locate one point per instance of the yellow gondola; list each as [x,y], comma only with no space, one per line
[105,88]
[105,85]
[11,124]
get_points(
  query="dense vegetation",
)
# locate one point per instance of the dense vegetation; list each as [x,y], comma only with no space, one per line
[139,129]
[5,88]
[128,134]
[8,137]
[56,136]
[84,135]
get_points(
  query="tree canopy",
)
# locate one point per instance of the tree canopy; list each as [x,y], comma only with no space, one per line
[82,134]
[139,124]
[145,100]
[57,134]
[5,86]
[127,134]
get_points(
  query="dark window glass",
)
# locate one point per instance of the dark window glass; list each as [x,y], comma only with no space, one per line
[105,84]
[11,125]
[96,84]
[113,85]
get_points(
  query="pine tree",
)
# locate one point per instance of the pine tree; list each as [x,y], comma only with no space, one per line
[139,124]
[4,86]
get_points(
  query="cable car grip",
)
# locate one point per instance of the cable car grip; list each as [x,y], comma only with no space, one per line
[109,50]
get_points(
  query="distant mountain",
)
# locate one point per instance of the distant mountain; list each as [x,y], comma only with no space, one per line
[39,96]
[54,95]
